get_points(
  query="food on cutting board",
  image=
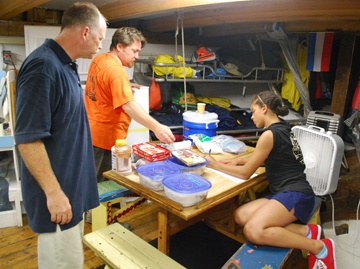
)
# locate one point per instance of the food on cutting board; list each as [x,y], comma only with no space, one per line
[188,157]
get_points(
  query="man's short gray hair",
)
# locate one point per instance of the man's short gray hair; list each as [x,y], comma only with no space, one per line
[80,14]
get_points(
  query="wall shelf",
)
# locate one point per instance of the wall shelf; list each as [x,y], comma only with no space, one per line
[12,217]
[252,77]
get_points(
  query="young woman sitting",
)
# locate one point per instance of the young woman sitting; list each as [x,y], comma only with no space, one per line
[270,220]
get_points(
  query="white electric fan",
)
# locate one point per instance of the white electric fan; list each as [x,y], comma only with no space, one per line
[323,153]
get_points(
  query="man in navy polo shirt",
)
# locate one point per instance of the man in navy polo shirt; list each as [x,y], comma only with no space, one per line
[58,177]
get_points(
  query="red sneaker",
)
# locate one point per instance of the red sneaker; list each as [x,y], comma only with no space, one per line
[329,262]
[311,260]
[315,234]
[315,231]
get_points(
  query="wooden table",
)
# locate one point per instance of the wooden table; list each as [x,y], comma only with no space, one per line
[222,194]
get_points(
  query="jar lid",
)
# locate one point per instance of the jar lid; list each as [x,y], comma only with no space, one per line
[120,142]
[158,170]
[193,116]
[187,183]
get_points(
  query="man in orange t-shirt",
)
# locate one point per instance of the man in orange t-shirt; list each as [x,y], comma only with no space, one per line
[109,98]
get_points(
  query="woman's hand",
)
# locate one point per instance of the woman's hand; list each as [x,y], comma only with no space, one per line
[211,159]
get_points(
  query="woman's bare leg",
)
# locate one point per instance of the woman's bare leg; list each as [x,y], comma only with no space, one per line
[271,224]
[245,211]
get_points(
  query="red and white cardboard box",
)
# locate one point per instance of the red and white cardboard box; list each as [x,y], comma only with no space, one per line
[151,152]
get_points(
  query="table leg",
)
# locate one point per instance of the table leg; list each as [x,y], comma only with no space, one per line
[164,231]
[232,224]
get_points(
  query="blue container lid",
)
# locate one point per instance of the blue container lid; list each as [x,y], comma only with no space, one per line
[178,163]
[158,170]
[194,116]
[187,183]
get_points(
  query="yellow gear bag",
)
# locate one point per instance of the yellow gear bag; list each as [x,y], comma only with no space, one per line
[176,71]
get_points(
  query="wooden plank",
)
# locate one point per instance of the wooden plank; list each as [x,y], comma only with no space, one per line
[120,248]
[150,254]
[106,252]
[9,9]
[343,71]
[16,28]
[322,11]
[139,8]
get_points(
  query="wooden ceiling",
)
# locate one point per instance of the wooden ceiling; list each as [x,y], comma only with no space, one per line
[218,18]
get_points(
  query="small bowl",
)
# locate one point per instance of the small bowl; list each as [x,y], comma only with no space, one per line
[197,169]
[152,174]
[187,188]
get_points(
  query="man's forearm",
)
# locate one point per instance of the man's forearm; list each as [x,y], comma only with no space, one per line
[137,113]
[37,161]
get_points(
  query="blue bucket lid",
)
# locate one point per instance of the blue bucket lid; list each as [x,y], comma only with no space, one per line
[158,170]
[177,162]
[186,183]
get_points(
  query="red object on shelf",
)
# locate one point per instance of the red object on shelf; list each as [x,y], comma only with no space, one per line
[356,98]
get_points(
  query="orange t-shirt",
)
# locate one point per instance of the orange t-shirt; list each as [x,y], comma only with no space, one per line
[107,89]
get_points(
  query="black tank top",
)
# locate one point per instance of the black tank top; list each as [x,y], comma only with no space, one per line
[285,164]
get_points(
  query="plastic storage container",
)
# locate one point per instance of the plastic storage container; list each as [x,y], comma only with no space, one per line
[195,123]
[187,188]
[152,174]
[197,169]
[121,157]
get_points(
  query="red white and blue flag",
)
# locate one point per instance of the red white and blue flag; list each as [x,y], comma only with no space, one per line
[319,51]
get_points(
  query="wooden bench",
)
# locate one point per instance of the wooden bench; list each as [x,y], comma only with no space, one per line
[267,257]
[120,248]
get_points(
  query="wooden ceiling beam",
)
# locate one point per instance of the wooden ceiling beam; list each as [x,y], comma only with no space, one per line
[321,11]
[288,27]
[123,10]
[12,8]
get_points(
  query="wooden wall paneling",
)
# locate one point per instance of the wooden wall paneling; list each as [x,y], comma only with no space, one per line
[36,15]
[341,86]
[4,27]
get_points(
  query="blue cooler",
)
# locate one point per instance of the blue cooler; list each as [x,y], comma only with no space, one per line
[195,123]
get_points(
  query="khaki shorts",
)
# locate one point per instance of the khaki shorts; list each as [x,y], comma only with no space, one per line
[62,249]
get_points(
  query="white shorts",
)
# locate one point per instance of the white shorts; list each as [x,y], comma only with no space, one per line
[61,249]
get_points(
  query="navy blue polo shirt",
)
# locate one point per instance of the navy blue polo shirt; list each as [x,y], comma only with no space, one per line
[50,106]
